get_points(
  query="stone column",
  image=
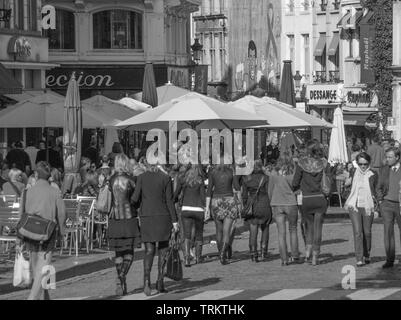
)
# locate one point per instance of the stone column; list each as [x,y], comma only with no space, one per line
[397,67]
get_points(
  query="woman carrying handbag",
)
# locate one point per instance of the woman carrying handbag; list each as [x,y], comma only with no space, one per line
[257,210]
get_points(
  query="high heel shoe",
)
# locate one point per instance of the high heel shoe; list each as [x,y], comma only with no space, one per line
[187,253]
[308,253]
[264,254]
[119,288]
[254,254]
[198,252]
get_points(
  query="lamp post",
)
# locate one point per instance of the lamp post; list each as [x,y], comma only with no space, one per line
[297,80]
[196,51]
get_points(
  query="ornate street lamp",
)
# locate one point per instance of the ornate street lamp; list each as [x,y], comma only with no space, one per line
[196,51]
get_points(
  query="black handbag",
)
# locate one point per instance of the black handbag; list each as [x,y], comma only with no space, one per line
[172,264]
[33,227]
[247,211]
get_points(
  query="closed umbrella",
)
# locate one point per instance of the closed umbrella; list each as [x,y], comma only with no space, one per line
[338,148]
[149,93]
[72,142]
[287,92]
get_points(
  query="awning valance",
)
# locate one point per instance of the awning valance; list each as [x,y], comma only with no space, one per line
[8,85]
[334,44]
[321,45]
[354,119]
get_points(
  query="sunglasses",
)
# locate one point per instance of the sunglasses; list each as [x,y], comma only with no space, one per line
[363,164]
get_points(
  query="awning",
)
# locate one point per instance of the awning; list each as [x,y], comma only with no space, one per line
[334,44]
[352,119]
[8,85]
[321,45]
[350,21]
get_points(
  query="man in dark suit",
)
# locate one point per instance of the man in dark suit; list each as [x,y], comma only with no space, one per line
[388,195]
[54,157]
[18,158]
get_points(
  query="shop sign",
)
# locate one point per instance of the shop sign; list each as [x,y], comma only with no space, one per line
[323,94]
[359,98]
[98,78]
[179,77]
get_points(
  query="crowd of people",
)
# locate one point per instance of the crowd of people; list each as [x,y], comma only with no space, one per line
[150,202]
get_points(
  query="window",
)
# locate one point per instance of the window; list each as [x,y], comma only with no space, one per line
[350,44]
[305,5]
[63,37]
[5,4]
[291,46]
[117,29]
[306,54]
[291,6]
[29,79]
[19,14]
[32,15]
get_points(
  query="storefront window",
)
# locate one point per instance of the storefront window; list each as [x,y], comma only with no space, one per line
[63,37]
[117,29]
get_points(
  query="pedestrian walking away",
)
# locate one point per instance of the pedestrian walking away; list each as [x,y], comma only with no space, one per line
[157,219]
[284,207]
[360,205]
[308,178]
[192,204]
[223,199]
[123,229]
[255,195]
[388,195]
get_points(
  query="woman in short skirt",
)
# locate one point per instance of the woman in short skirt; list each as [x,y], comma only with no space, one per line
[123,228]
[224,206]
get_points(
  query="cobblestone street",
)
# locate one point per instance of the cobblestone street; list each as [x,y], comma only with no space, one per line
[242,279]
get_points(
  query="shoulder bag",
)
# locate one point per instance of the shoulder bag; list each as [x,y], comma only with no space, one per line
[247,211]
[326,184]
[16,190]
[34,227]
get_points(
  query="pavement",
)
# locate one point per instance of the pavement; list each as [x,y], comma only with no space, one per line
[71,267]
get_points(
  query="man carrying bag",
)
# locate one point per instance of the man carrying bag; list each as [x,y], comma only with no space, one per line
[42,220]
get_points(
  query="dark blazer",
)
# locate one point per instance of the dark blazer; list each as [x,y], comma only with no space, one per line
[155,191]
[383,183]
[122,187]
[373,181]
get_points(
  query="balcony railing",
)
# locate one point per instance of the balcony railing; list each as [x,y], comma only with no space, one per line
[334,76]
[320,77]
[336,4]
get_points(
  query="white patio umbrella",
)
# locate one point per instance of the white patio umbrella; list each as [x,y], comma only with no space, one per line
[338,147]
[195,111]
[135,104]
[279,115]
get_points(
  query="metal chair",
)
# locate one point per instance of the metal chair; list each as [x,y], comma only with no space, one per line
[9,218]
[71,225]
[86,207]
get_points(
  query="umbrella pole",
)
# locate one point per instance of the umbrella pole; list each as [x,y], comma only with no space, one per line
[47,143]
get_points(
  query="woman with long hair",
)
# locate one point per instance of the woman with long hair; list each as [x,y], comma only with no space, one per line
[123,228]
[223,197]
[308,178]
[192,204]
[361,207]
[255,186]
[284,206]
[157,217]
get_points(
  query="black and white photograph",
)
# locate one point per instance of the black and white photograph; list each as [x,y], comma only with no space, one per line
[204,156]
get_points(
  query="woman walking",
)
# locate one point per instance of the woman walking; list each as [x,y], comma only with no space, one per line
[360,205]
[285,207]
[123,228]
[223,205]
[308,177]
[192,211]
[255,189]
[157,217]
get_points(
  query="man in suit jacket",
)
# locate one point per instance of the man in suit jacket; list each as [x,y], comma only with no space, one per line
[45,201]
[388,195]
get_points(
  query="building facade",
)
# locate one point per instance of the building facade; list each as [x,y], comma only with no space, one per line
[211,27]
[296,37]
[343,40]
[396,69]
[108,44]
[23,56]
